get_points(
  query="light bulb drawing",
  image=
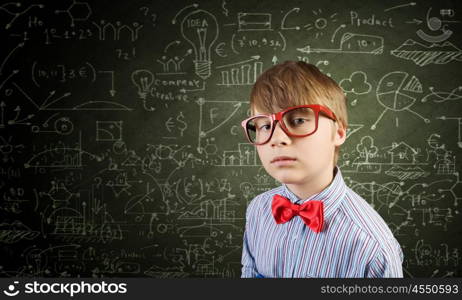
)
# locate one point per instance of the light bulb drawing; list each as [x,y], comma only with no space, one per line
[200,29]
[143,80]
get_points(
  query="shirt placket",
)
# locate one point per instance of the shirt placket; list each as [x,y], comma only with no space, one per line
[296,243]
[292,251]
[286,246]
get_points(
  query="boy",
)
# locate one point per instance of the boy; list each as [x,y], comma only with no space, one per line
[313,225]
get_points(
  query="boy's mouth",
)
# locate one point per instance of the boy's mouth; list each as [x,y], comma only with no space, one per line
[282,158]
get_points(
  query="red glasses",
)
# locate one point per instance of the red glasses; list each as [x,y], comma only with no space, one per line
[297,121]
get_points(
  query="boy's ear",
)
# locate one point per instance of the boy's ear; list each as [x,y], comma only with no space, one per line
[340,134]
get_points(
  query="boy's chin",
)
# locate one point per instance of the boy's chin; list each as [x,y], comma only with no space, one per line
[287,178]
[285,175]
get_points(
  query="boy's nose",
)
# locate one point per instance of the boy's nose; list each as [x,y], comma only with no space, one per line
[279,136]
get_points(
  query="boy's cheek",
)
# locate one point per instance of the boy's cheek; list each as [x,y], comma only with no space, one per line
[263,156]
[260,153]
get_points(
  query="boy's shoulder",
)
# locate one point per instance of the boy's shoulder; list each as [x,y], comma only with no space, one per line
[364,215]
[371,223]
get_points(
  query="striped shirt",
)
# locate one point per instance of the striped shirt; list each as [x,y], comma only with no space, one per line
[354,242]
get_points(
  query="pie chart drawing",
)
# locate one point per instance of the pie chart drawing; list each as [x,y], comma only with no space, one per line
[397,92]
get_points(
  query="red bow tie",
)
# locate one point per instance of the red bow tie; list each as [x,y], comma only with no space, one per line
[311,212]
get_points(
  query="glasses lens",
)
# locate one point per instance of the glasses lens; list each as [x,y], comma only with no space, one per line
[259,129]
[300,121]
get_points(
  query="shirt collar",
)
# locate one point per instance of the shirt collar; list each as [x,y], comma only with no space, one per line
[332,195]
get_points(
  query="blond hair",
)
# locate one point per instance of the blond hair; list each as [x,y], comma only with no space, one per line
[293,83]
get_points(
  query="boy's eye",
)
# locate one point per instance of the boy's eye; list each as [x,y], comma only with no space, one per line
[299,121]
[264,127]
[262,124]
[259,126]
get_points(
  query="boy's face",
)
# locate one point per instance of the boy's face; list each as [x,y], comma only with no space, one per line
[312,156]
